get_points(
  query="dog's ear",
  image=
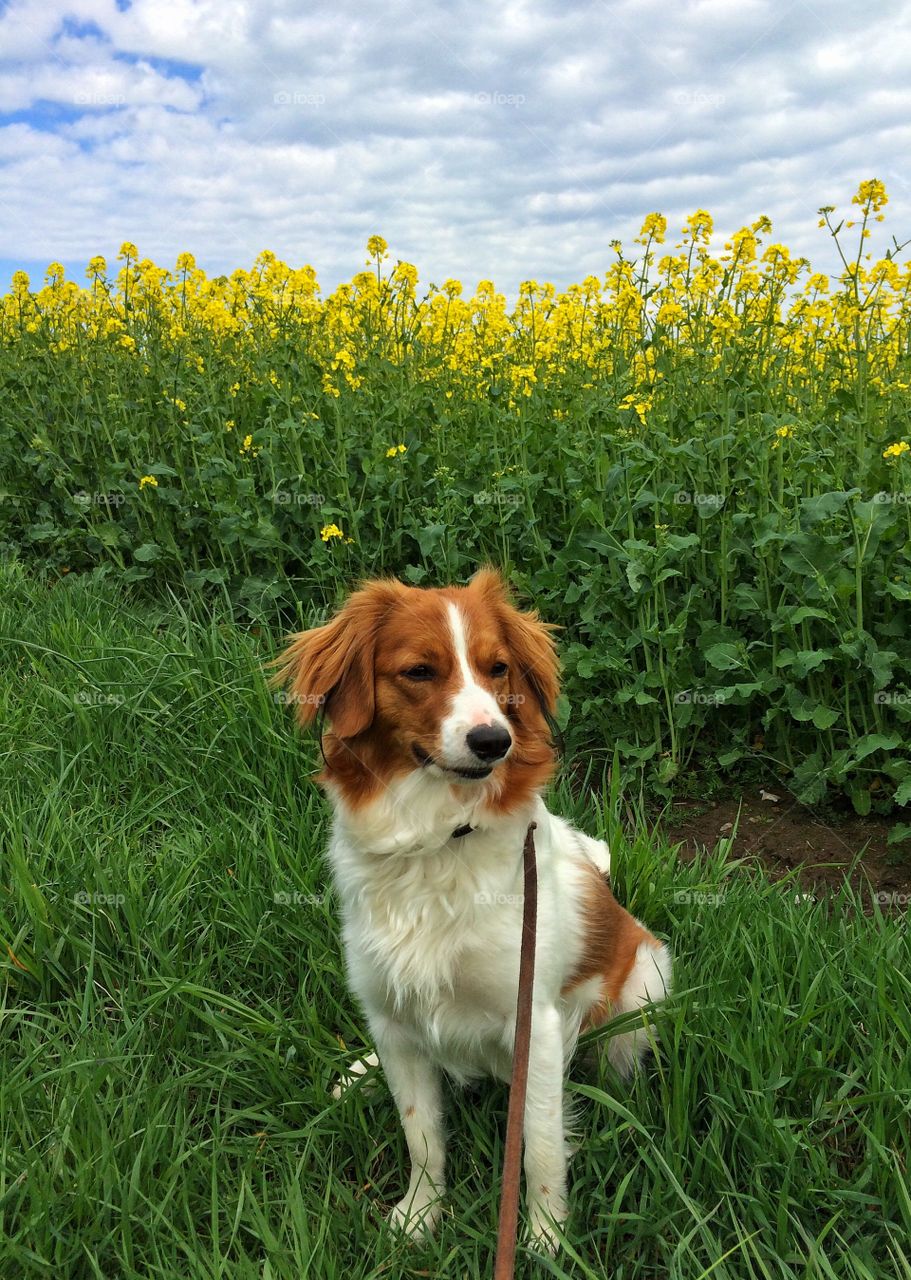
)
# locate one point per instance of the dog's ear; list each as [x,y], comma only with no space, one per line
[333,666]
[534,664]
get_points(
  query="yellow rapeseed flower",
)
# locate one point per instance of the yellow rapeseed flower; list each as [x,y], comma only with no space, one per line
[622,329]
[640,405]
[670,313]
[871,195]
[406,273]
[653,228]
[896,450]
[396,449]
[330,531]
[148,482]
[699,225]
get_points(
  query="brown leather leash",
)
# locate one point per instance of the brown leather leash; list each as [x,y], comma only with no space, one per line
[507,1229]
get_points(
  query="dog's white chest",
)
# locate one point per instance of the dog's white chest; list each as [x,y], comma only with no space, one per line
[435,941]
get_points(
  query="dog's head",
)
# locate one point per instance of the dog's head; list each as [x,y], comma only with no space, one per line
[455,681]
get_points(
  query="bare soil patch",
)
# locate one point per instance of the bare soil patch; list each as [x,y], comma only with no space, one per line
[783,836]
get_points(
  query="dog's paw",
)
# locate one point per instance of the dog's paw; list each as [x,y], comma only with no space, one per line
[544,1219]
[417,1215]
[354,1072]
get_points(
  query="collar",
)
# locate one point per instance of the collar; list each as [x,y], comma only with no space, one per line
[466,830]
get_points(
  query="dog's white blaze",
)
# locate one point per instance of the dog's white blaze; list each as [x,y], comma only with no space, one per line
[472,704]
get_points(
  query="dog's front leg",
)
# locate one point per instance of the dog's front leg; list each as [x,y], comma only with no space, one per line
[415,1085]
[545,1149]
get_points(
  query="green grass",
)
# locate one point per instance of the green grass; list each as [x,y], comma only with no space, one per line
[169,1026]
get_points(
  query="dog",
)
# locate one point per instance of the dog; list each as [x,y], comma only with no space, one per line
[440,706]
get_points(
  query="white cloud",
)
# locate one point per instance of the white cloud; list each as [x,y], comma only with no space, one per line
[507,142]
[98,85]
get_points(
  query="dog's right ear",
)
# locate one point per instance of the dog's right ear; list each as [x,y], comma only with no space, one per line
[535,666]
[333,666]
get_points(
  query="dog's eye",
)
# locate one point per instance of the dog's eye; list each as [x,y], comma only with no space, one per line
[420,672]
[498,669]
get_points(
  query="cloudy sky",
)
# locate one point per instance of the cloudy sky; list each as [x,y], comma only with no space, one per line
[509,141]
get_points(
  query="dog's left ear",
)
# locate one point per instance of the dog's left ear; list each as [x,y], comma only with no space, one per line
[534,662]
[333,666]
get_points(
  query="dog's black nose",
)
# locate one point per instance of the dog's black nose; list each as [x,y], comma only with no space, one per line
[489,742]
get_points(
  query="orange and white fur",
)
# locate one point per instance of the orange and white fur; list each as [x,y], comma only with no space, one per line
[439,744]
